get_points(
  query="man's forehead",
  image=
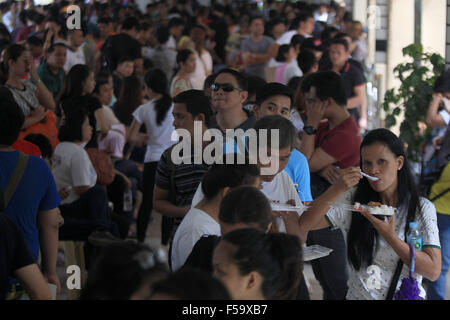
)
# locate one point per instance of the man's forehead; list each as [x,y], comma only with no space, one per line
[179,107]
[279,101]
[226,78]
[311,93]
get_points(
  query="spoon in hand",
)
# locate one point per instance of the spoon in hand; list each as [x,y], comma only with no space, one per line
[370,177]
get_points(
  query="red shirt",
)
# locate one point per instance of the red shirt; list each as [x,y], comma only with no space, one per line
[342,142]
[27,148]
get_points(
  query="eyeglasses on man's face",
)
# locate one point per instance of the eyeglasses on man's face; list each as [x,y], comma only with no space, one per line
[226,87]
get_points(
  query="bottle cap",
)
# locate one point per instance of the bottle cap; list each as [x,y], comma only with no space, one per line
[413,225]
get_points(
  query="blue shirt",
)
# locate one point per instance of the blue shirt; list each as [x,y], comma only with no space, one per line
[35,192]
[297,168]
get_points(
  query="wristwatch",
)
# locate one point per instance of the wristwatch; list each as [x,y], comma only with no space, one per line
[310,130]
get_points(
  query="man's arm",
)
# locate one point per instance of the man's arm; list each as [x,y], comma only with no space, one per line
[320,160]
[358,99]
[162,204]
[258,58]
[33,282]
[434,119]
[48,224]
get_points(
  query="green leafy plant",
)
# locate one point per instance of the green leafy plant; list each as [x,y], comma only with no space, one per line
[413,96]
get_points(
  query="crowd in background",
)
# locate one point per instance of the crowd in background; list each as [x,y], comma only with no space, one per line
[86,142]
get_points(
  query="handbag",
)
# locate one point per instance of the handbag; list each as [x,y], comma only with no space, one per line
[103,166]
[398,270]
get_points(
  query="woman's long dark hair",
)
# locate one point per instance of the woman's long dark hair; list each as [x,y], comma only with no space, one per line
[12,52]
[74,81]
[156,80]
[129,99]
[362,237]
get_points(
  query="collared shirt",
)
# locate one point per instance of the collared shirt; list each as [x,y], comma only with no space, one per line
[53,82]
[247,124]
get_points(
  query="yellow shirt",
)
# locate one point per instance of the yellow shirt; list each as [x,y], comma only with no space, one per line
[443,203]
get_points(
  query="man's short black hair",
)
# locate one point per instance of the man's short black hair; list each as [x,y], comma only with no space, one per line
[442,83]
[130,23]
[246,204]
[240,77]
[287,131]
[11,118]
[340,41]
[35,41]
[301,18]
[162,34]
[125,58]
[175,22]
[38,18]
[209,81]
[273,89]
[144,26]
[328,84]
[42,143]
[254,18]
[255,84]
[54,45]
[104,20]
[306,60]
[196,103]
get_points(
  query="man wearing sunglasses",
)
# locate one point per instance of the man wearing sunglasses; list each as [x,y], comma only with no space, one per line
[229,92]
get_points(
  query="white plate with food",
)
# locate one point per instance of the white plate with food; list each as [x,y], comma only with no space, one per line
[315,252]
[374,208]
[287,207]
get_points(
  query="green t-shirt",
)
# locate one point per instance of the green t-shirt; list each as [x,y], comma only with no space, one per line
[53,82]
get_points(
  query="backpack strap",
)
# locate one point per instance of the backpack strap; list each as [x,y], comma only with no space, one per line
[440,195]
[15,179]
[398,270]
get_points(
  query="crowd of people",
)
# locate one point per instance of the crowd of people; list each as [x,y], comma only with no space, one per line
[89,119]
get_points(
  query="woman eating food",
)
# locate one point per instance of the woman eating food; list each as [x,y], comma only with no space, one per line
[376,239]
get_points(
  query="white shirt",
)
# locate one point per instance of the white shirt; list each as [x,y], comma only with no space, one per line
[73,58]
[171,44]
[446,116]
[71,167]
[281,189]
[7,18]
[292,70]
[384,257]
[203,65]
[194,225]
[296,120]
[159,136]
[287,37]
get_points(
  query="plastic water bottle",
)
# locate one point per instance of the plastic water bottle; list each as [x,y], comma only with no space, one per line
[414,236]
[127,200]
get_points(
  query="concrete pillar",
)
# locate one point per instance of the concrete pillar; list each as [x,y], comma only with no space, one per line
[400,35]
[360,11]
[433,33]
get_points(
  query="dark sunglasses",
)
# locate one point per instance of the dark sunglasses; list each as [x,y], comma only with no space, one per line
[226,87]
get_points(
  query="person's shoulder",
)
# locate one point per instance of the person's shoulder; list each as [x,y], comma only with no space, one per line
[92,101]
[268,39]
[427,207]
[283,178]
[37,163]
[298,156]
